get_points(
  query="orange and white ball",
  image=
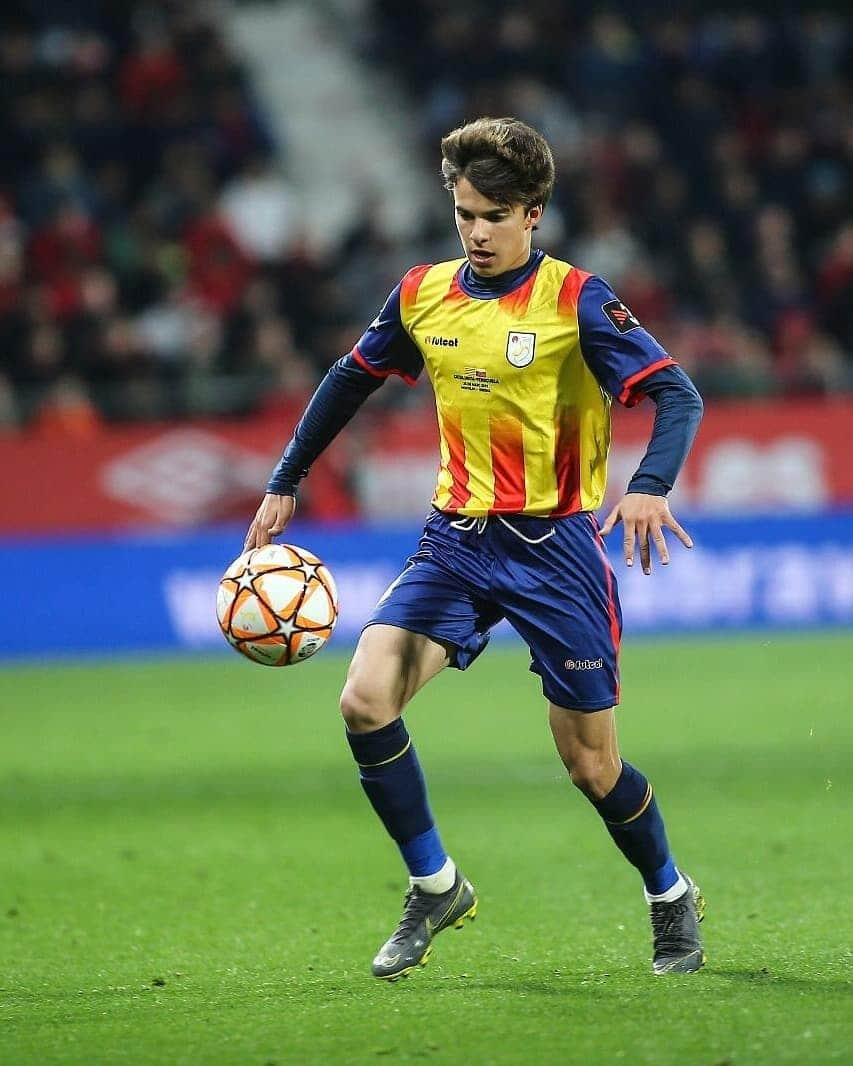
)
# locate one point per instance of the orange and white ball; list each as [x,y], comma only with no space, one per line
[277,605]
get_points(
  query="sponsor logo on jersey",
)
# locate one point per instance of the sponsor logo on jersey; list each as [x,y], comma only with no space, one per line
[520,348]
[442,342]
[584,664]
[622,318]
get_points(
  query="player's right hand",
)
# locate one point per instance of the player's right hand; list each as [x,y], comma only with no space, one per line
[270,520]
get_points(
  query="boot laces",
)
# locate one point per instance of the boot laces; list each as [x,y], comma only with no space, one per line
[669,925]
[417,905]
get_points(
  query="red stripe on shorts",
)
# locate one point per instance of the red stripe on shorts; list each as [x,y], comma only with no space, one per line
[615,630]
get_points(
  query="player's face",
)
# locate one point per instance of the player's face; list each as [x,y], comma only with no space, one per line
[496,238]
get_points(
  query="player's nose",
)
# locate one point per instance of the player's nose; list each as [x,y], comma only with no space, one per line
[479,231]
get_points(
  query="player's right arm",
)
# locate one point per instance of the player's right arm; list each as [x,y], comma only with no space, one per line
[384,349]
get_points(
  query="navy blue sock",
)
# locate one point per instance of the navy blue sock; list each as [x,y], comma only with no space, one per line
[394,782]
[631,815]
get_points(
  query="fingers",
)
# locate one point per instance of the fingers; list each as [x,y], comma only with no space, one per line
[610,521]
[269,521]
[645,551]
[630,535]
[682,534]
[644,523]
[249,542]
[654,534]
[660,543]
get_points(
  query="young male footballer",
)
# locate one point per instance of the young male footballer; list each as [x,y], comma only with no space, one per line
[525,354]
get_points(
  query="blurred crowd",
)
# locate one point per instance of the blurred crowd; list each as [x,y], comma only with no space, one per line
[148,254]
[704,163]
[152,261]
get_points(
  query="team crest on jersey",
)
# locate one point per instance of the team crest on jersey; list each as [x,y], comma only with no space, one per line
[520,348]
[620,316]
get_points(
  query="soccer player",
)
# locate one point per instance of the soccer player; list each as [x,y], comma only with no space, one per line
[524,353]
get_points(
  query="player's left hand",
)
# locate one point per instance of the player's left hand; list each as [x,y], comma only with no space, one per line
[643,518]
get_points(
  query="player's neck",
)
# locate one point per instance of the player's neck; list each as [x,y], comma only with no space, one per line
[485,288]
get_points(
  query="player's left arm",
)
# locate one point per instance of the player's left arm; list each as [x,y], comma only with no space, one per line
[630,364]
[643,510]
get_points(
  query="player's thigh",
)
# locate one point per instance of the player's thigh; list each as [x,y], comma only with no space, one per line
[389,666]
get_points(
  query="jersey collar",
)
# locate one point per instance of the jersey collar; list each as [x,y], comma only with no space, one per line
[490,288]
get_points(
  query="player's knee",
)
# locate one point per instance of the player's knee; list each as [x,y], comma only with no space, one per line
[364,709]
[592,773]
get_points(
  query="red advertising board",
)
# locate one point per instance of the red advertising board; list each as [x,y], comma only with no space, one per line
[154,475]
[747,458]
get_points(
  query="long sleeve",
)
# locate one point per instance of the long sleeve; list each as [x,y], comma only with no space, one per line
[679,412]
[339,395]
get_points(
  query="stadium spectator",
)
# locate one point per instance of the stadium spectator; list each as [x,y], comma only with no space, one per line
[705,161]
[261,210]
[686,167]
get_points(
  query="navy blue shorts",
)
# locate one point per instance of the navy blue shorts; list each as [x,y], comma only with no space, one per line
[550,578]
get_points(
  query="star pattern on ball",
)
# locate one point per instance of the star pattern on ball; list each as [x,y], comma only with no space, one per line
[286,627]
[309,570]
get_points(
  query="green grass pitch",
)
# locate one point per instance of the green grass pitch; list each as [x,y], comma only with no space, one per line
[189,873]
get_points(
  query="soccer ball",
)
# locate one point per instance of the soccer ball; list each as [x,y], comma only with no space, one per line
[277,605]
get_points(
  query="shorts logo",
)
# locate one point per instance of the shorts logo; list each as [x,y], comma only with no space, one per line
[584,664]
[620,316]
[520,349]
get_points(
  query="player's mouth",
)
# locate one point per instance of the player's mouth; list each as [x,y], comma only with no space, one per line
[479,257]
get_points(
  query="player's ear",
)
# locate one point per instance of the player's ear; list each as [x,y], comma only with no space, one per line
[534,214]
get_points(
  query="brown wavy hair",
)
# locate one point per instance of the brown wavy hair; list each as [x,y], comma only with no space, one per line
[505,160]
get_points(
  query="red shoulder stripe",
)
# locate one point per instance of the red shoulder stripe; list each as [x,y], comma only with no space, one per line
[516,302]
[454,293]
[574,281]
[411,283]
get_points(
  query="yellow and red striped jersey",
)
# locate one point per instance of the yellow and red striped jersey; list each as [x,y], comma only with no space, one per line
[523,380]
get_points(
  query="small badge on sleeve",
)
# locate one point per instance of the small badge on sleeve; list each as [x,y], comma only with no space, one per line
[621,317]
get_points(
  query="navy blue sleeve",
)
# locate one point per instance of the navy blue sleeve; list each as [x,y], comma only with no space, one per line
[339,395]
[386,348]
[677,418]
[614,345]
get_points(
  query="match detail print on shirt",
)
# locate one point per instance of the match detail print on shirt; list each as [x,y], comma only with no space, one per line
[622,318]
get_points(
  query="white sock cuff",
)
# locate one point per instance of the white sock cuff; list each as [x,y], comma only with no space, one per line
[671,894]
[441,881]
